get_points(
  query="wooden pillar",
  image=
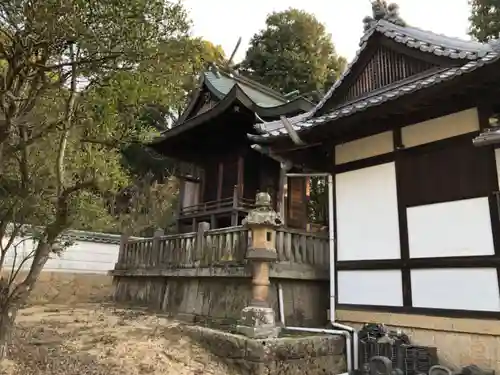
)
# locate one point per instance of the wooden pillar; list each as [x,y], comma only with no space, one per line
[234,212]
[180,203]
[220,176]
[240,181]
[280,202]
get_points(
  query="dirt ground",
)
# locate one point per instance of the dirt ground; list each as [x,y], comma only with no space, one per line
[68,329]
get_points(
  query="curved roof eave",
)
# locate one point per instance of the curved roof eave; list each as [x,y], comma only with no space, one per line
[235,97]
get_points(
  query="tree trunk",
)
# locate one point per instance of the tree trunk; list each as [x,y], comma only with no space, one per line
[13,296]
[7,318]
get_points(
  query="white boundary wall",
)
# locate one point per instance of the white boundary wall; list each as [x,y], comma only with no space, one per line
[89,253]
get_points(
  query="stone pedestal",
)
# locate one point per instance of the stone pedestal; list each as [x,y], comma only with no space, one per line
[258,323]
[257,320]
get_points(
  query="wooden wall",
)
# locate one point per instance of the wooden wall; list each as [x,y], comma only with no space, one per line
[417,220]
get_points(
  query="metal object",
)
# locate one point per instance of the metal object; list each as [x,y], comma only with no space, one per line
[490,136]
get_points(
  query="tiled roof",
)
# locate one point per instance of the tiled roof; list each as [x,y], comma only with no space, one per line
[427,41]
[472,53]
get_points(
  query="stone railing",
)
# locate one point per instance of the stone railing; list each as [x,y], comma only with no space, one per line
[217,247]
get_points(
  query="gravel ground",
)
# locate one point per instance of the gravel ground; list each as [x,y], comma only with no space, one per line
[94,340]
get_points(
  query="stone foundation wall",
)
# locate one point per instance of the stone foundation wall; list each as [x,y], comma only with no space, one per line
[217,295]
[460,342]
[312,355]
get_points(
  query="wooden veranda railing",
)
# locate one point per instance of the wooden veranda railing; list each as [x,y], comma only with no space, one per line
[235,202]
[218,247]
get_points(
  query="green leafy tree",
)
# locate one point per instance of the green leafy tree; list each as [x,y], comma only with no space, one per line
[148,167]
[484,19]
[293,52]
[74,75]
[381,10]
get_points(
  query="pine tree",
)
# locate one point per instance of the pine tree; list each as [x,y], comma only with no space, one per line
[484,19]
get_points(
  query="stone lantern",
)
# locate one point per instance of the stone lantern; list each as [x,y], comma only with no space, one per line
[258,319]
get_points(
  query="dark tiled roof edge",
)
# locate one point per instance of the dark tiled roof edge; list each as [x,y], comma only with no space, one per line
[377,99]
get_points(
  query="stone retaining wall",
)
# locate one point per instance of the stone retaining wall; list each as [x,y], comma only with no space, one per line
[217,295]
[311,355]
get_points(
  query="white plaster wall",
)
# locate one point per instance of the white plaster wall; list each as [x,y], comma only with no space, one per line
[367,214]
[363,148]
[82,257]
[458,228]
[455,288]
[440,128]
[383,288]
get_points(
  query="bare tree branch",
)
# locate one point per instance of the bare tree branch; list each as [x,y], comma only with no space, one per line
[70,109]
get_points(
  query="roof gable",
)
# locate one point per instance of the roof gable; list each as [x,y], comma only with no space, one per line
[216,86]
[221,83]
[382,66]
[206,101]
[390,53]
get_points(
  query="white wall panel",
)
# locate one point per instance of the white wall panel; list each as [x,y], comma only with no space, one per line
[457,289]
[383,288]
[83,256]
[367,214]
[458,228]
[363,148]
[440,128]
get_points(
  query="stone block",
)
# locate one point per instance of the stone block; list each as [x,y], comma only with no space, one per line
[258,322]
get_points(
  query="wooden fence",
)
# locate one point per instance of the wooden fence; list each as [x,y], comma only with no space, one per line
[217,247]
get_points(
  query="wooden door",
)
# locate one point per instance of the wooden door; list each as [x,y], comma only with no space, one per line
[297,202]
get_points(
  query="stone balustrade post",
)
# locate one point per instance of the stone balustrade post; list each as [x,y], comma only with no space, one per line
[258,319]
[156,256]
[122,252]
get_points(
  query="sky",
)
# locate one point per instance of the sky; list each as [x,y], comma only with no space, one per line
[224,21]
